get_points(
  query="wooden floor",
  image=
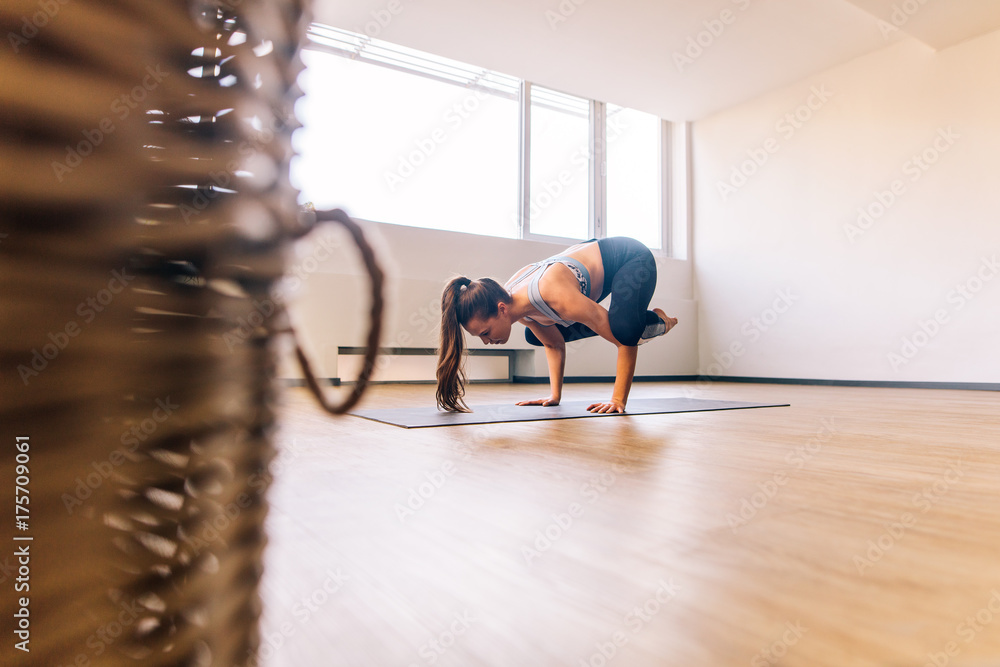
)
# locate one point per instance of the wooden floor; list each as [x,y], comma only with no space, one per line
[857,527]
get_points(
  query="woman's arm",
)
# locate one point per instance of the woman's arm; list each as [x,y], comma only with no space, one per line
[623,381]
[573,305]
[555,354]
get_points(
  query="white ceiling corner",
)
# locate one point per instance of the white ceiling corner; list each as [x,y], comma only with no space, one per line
[937,23]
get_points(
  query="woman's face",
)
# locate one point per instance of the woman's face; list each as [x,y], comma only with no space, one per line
[493,330]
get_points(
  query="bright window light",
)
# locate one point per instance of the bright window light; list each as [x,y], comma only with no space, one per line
[634,179]
[558,203]
[437,150]
[395,135]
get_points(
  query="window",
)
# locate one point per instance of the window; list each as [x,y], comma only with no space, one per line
[437,150]
[396,135]
[634,175]
[560,161]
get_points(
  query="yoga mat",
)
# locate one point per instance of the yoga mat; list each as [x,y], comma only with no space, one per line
[424,417]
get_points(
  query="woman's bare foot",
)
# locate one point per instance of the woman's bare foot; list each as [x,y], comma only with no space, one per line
[671,322]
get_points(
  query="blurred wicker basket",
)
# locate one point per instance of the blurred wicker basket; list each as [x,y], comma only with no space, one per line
[144,209]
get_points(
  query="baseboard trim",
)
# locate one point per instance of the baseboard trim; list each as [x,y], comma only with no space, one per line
[337,382]
[580,379]
[300,382]
[890,384]
[522,379]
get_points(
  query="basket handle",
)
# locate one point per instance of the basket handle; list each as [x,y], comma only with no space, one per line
[376,281]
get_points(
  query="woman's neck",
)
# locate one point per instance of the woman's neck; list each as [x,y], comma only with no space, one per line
[520,306]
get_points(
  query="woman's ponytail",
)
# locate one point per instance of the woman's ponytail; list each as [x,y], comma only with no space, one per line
[462,300]
[450,376]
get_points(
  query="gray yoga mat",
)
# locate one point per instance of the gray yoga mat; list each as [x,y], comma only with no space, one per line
[423,417]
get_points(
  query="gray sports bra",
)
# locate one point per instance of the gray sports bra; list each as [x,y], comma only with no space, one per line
[535,295]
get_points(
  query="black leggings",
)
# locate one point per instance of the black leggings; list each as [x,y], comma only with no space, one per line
[630,278]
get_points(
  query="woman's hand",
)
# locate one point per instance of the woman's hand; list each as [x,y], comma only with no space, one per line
[541,401]
[614,405]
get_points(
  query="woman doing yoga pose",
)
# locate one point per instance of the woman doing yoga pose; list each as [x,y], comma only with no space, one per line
[557,300]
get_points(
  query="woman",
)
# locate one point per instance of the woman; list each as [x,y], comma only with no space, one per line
[557,299]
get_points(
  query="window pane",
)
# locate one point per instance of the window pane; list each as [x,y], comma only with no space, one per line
[560,160]
[634,177]
[396,147]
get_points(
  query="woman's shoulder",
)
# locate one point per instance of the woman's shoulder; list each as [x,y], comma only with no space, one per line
[558,282]
[588,254]
[519,274]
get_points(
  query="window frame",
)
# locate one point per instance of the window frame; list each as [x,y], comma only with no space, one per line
[595,215]
[323,38]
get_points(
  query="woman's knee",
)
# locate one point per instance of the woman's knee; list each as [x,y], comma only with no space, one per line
[627,330]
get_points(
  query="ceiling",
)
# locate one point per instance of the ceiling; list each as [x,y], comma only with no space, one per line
[646,53]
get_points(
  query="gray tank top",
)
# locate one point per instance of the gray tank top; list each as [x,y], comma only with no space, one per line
[535,295]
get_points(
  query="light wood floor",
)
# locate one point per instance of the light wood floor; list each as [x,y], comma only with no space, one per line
[869,535]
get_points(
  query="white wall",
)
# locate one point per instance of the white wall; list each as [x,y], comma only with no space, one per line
[330,305]
[859,292]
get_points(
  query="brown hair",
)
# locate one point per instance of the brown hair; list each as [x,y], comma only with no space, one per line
[461,300]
